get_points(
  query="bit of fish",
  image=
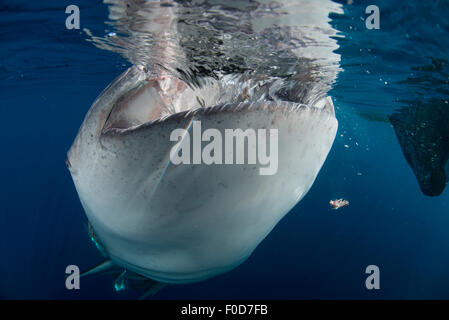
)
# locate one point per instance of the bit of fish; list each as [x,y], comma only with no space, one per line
[338,203]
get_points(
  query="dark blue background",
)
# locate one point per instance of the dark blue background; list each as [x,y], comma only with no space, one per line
[49,78]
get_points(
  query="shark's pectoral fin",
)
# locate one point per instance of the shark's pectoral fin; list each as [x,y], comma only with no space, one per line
[105,266]
[153,288]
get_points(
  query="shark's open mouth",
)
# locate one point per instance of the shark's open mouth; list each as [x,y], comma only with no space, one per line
[157,97]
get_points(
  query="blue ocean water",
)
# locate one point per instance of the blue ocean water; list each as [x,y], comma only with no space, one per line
[51,75]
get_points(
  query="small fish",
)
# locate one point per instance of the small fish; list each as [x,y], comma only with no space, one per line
[339,203]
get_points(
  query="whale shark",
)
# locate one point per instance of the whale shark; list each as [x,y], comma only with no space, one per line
[169,223]
[422,131]
[183,223]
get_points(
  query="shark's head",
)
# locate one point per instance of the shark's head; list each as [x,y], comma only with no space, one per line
[184,170]
[185,222]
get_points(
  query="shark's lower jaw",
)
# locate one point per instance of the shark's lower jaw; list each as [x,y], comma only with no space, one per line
[187,222]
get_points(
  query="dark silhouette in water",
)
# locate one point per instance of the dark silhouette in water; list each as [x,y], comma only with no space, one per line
[422,130]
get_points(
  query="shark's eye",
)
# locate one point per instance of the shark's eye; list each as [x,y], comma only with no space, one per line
[67,163]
